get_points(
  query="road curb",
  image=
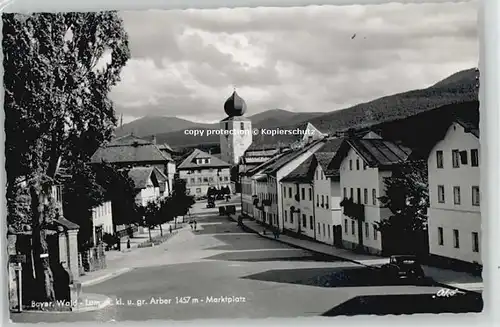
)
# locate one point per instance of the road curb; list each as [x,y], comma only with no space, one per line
[103,278]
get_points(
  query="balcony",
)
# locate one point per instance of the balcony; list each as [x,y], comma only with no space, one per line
[353,210]
[266,203]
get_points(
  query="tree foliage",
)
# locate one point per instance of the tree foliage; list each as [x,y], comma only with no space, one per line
[56,102]
[407,198]
[182,202]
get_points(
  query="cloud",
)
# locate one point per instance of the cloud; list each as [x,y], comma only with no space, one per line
[317,58]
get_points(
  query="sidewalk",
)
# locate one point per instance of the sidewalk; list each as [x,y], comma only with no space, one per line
[445,276]
[113,257]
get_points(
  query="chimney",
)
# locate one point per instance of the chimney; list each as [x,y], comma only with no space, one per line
[153,140]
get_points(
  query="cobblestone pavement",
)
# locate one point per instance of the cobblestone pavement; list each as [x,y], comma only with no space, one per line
[219,271]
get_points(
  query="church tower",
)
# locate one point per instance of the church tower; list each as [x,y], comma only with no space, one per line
[236,135]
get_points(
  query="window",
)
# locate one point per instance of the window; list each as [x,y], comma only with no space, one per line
[226,178]
[365,191]
[242,126]
[322,200]
[322,175]
[475,242]
[357,164]
[375,232]
[304,221]
[345,193]
[463,157]
[439,159]
[346,227]
[329,234]
[210,179]
[199,179]
[367,230]
[310,194]
[284,192]
[290,192]
[192,180]
[455,157]
[286,216]
[317,174]
[226,126]
[319,229]
[359,195]
[475,195]
[198,190]
[353,227]
[324,230]
[311,222]
[317,200]
[352,194]
[440,236]
[456,239]
[440,194]
[374,197]
[474,158]
[303,193]
[326,203]
[350,164]
[456,194]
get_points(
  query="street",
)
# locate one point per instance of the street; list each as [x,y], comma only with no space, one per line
[220,271]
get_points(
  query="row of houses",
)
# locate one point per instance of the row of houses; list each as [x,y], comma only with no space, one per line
[304,192]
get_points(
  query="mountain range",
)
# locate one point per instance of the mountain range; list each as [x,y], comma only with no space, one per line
[460,87]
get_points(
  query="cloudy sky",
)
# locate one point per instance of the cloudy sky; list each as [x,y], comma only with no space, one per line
[185,63]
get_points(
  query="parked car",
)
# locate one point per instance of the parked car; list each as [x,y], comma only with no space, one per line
[210,203]
[403,266]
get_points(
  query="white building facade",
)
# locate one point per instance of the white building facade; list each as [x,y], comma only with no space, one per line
[454,216]
[328,213]
[365,163]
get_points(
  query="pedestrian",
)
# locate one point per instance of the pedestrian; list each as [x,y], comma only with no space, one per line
[195,225]
[191,224]
[170,229]
[128,243]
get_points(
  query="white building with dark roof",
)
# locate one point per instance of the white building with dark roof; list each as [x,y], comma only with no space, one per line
[364,163]
[146,184]
[454,216]
[202,170]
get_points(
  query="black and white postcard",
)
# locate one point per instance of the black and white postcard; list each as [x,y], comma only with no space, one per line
[268,162]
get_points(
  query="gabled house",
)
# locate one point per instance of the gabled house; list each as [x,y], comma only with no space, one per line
[364,163]
[328,213]
[298,200]
[279,169]
[202,170]
[130,151]
[454,215]
[102,220]
[146,184]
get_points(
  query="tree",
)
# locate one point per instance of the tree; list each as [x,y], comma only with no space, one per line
[407,198]
[56,103]
[150,215]
[182,202]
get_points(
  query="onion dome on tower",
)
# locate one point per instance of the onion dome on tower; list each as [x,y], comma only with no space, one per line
[235,105]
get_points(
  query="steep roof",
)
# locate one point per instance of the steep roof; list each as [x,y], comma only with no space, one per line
[129,149]
[140,176]
[282,161]
[303,173]
[190,161]
[469,126]
[324,159]
[375,152]
[254,170]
